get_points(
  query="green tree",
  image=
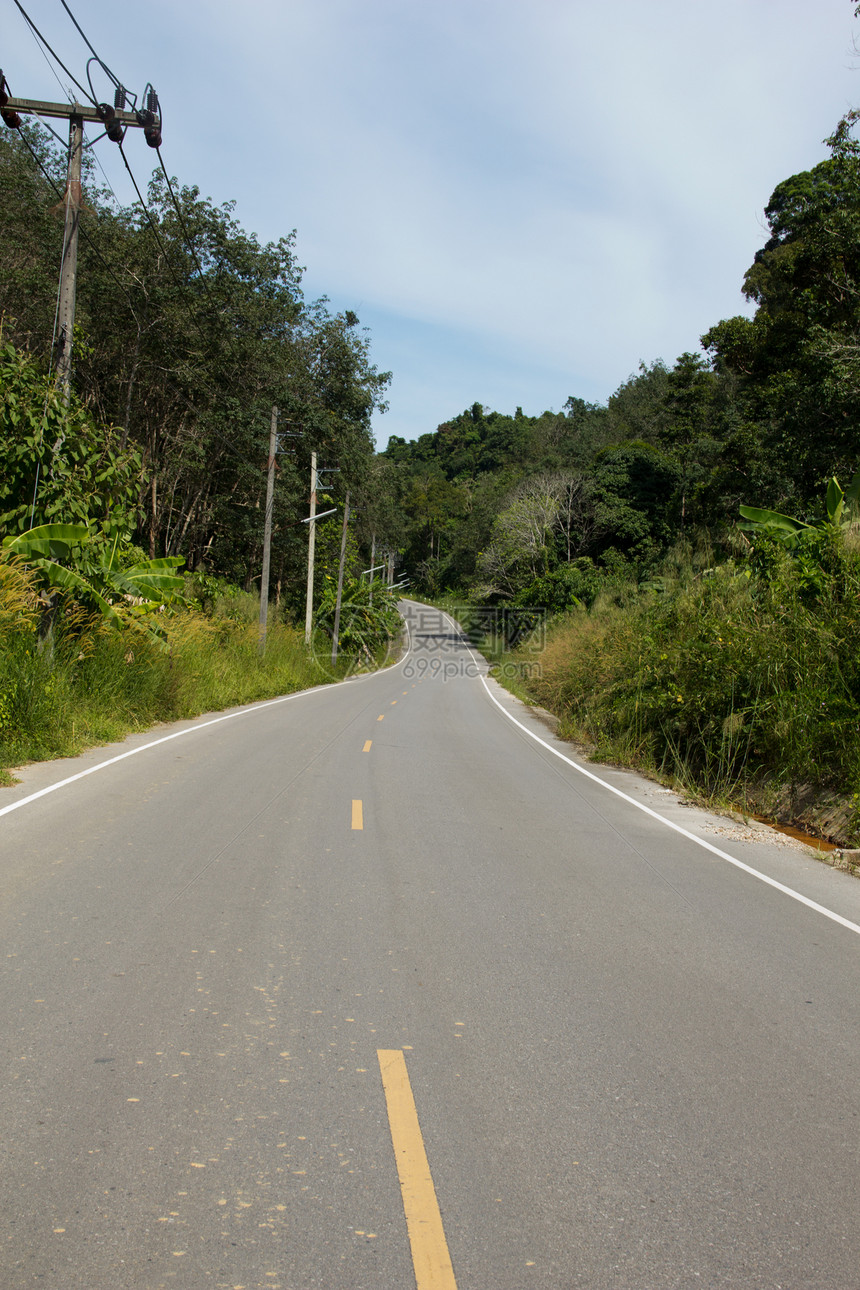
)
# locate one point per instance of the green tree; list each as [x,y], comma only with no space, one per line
[634,484]
[188,331]
[56,464]
[796,363]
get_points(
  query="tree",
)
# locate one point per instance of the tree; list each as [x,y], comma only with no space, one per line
[188,330]
[520,547]
[688,434]
[633,483]
[797,361]
[56,464]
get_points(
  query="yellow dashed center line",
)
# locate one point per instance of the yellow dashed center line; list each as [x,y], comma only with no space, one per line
[367,744]
[357,814]
[430,1257]
[381,718]
[393,701]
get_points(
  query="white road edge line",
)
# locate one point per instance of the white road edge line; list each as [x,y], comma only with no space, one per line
[640,806]
[178,734]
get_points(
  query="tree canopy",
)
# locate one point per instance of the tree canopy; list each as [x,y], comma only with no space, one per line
[188,330]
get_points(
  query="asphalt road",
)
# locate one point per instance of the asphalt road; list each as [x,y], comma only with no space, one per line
[278,984]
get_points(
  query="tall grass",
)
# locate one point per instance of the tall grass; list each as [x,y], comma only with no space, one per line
[89,683]
[734,682]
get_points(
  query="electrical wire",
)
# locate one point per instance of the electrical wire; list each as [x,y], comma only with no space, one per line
[81,229]
[235,452]
[58,137]
[186,235]
[53,72]
[64,90]
[232,449]
[150,220]
[55,56]
[102,65]
[188,242]
[189,313]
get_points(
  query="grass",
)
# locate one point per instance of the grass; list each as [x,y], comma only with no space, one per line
[89,683]
[739,685]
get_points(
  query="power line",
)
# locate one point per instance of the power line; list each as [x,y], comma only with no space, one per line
[145,210]
[188,240]
[86,236]
[52,69]
[33,26]
[190,313]
[101,64]
[180,217]
[233,449]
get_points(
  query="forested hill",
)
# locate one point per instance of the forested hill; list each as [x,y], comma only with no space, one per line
[529,508]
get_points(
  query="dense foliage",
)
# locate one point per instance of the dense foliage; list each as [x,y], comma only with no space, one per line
[97,682]
[739,681]
[188,330]
[698,560]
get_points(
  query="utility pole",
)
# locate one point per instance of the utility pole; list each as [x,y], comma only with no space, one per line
[115,121]
[372,562]
[69,265]
[309,599]
[267,530]
[336,632]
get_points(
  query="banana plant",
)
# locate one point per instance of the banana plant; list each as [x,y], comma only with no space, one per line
[789,531]
[72,558]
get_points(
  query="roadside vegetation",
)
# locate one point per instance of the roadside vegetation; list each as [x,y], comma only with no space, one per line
[738,682]
[132,508]
[91,679]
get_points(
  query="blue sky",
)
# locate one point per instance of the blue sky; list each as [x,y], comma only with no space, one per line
[522,200]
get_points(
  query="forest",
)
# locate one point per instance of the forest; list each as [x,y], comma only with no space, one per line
[714,494]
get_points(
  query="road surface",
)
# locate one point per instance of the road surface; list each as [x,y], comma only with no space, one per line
[369,988]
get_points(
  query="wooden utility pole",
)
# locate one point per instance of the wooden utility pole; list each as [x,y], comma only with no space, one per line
[115,121]
[267,530]
[336,633]
[309,599]
[69,266]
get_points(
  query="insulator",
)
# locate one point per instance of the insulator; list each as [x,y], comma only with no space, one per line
[151,127]
[119,97]
[113,128]
[10,118]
